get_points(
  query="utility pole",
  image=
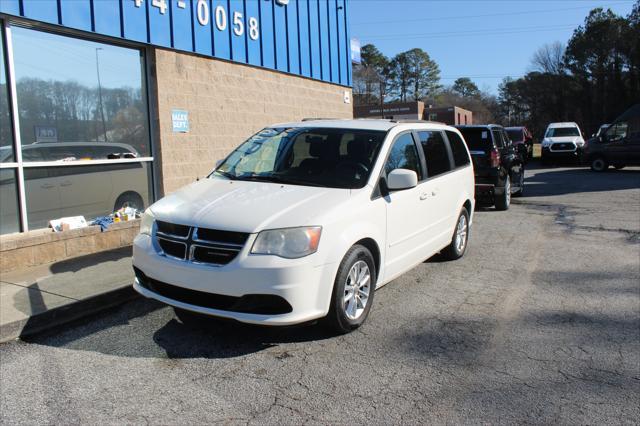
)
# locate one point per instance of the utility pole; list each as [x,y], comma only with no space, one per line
[104,124]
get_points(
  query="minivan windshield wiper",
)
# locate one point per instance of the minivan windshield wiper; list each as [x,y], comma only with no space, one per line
[226,174]
[277,179]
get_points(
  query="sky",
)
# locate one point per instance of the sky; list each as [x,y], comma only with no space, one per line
[483,40]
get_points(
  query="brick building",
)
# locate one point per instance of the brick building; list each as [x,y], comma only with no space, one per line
[415,111]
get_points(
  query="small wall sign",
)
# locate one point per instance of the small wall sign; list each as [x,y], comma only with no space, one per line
[180,120]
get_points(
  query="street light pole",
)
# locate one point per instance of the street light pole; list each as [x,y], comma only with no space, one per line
[104,125]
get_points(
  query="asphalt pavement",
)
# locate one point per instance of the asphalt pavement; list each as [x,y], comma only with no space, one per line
[538,323]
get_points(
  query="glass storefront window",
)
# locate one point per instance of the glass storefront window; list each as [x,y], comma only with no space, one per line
[9,211]
[77,91]
[6,134]
[89,191]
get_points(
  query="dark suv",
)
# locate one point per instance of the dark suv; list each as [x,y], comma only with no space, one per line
[618,145]
[498,166]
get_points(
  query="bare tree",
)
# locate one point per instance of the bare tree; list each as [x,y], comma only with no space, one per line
[549,59]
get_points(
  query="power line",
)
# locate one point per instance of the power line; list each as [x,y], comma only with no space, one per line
[462,34]
[488,15]
[478,30]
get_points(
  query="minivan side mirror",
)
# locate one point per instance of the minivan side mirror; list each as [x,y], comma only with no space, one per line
[400,179]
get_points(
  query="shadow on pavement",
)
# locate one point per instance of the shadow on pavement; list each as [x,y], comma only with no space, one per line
[562,181]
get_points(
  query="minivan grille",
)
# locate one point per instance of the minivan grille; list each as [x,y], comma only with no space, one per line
[199,245]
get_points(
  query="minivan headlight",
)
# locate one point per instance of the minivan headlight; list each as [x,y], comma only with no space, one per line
[290,243]
[146,222]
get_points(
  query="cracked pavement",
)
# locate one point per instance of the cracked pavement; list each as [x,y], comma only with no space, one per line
[538,323]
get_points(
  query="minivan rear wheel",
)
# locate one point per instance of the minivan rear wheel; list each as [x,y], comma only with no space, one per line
[353,290]
[455,250]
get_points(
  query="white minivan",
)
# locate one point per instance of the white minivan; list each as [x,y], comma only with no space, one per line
[305,220]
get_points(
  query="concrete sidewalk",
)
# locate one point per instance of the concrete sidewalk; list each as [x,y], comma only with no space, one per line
[34,299]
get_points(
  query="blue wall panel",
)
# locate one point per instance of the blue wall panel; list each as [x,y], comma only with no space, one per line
[134,21]
[348,36]
[303,21]
[253,43]
[303,37]
[221,40]
[46,11]
[333,40]
[314,34]
[266,34]
[106,18]
[342,43]
[202,34]
[159,24]
[325,55]
[292,35]
[280,23]
[238,30]
[76,14]
[181,24]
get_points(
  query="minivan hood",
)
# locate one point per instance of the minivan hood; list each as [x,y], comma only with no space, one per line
[247,206]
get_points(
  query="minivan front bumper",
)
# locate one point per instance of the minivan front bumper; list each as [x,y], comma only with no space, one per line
[256,289]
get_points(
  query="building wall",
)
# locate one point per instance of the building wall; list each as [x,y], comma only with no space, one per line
[226,103]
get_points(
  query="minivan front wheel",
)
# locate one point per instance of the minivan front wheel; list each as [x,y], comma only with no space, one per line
[353,290]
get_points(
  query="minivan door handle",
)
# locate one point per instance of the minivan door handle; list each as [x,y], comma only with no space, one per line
[66,183]
[426,195]
[47,186]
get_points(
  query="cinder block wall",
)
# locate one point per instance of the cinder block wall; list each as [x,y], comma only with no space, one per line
[227,103]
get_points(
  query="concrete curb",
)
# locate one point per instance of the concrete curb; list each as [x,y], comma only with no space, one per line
[66,313]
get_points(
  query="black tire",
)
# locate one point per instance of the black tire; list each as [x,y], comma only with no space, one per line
[520,191]
[599,164]
[129,199]
[503,201]
[454,250]
[337,318]
[544,160]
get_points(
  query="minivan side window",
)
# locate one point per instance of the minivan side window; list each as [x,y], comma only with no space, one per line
[460,156]
[404,155]
[435,153]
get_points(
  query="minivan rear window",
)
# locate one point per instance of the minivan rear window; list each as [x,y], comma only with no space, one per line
[477,138]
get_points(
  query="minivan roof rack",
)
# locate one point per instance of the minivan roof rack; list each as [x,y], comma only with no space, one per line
[417,121]
[320,119]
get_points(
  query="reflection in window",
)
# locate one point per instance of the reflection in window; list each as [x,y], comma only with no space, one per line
[6,135]
[404,155]
[435,153]
[89,191]
[9,217]
[72,90]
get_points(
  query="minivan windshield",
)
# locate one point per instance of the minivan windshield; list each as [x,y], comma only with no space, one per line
[558,132]
[326,157]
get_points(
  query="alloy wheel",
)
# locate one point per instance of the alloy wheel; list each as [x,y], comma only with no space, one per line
[461,234]
[356,290]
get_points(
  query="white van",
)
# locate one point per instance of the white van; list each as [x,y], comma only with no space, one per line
[305,220]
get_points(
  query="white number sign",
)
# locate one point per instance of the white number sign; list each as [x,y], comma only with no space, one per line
[202,14]
[238,24]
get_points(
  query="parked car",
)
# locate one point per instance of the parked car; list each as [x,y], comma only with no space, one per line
[562,141]
[618,145]
[90,190]
[498,166]
[305,220]
[523,140]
